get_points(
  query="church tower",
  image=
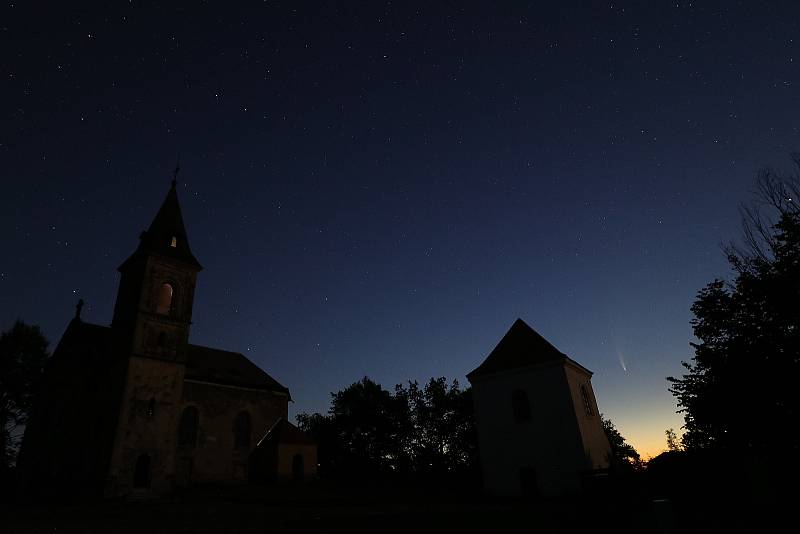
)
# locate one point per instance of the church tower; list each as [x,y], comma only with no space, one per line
[152,317]
[156,290]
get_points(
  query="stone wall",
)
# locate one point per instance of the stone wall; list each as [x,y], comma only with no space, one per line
[595,444]
[69,437]
[544,452]
[148,424]
[216,457]
[286,461]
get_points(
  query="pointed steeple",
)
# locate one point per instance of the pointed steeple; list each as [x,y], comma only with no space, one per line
[166,235]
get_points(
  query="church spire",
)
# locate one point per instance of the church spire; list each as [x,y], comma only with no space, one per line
[157,282]
[175,172]
[167,235]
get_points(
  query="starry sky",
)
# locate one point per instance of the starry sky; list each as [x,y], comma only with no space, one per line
[381,189]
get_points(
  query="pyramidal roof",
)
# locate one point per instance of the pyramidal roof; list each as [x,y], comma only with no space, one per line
[522,346]
[167,233]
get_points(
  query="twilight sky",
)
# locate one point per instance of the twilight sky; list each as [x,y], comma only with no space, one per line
[382,189]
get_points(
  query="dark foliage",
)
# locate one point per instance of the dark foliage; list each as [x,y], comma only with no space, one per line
[414,433]
[674,443]
[739,393]
[23,352]
[623,456]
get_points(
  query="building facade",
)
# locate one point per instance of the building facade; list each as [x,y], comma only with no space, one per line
[539,430]
[134,407]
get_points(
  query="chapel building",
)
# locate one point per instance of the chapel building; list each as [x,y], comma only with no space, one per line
[134,407]
[539,429]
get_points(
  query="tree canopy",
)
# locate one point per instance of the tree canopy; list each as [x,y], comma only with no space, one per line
[623,455]
[412,432]
[739,392]
[23,352]
[674,443]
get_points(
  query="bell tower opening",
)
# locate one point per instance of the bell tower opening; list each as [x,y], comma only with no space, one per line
[164,306]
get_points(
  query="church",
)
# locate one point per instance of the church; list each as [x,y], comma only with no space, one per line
[135,408]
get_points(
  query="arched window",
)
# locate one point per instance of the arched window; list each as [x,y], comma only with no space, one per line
[187,429]
[174,242]
[587,401]
[141,472]
[520,406]
[241,430]
[151,407]
[164,306]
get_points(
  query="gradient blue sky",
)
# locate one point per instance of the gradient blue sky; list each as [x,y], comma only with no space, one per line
[381,189]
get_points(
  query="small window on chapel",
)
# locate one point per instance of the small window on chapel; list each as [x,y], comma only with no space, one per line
[151,407]
[174,242]
[587,402]
[241,430]
[521,406]
[164,299]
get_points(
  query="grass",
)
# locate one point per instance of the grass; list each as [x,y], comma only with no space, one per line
[322,507]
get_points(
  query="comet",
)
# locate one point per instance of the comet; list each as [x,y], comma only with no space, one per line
[621,361]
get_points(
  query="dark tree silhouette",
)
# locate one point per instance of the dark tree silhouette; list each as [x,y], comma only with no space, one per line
[23,352]
[411,433]
[364,433]
[739,393]
[331,455]
[674,443]
[370,425]
[623,455]
[442,437]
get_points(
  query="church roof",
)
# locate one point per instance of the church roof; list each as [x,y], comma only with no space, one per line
[228,368]
[204,363]
[89,342]
[522,346]
[167,224]
[285,432]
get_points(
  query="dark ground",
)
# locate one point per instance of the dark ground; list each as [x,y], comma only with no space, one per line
[321,508]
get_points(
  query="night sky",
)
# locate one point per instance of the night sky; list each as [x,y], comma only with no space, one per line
[382,189]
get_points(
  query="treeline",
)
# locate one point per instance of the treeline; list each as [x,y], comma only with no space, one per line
[739,393]
[23,353]
[414,433]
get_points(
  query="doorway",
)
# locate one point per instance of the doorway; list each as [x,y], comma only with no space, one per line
[141,472]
